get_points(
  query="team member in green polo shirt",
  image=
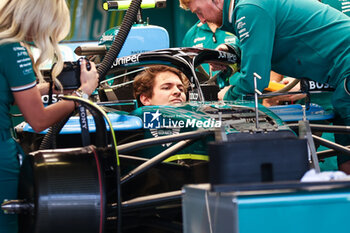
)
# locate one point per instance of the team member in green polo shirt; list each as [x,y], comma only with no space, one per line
[43,23]
[297,38]
[207,35]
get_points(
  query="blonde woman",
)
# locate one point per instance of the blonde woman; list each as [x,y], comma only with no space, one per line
[42,23]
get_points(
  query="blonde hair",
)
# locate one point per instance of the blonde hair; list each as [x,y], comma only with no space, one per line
[184,4]
[43,22]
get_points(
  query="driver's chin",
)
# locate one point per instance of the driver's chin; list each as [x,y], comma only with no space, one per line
[176,101]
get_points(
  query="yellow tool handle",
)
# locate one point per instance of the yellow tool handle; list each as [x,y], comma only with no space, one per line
[274,86]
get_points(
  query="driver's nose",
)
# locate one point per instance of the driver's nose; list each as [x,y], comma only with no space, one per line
[176,91]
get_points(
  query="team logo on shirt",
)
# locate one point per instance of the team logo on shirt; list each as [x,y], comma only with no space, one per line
[345,6]
[23,61]
[242,31]
[199,39]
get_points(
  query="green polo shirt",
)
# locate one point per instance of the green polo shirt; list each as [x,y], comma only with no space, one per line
[16,74]
[297,38]
[201,36]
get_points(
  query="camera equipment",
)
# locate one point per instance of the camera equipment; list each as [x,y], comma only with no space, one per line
[70,75]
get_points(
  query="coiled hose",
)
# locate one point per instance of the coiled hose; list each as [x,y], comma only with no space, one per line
[102,70]
[49,140]
[113,52]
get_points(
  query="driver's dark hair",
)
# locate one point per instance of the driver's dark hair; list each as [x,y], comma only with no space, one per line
[144,82]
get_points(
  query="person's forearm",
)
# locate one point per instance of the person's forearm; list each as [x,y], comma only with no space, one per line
[57,112]
[51,115]
[38,116]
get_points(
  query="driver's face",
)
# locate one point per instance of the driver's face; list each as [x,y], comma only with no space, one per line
[167,90]
[207,11]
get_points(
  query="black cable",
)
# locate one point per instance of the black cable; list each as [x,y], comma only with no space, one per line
[50,91]
[49,140]
[106,64]
[117,44]
[101,132]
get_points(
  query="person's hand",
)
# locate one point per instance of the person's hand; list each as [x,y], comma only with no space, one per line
[296,97]
[217,66]
[288,80]
[88,78]
[277,100]
[222,47]
[222,93]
